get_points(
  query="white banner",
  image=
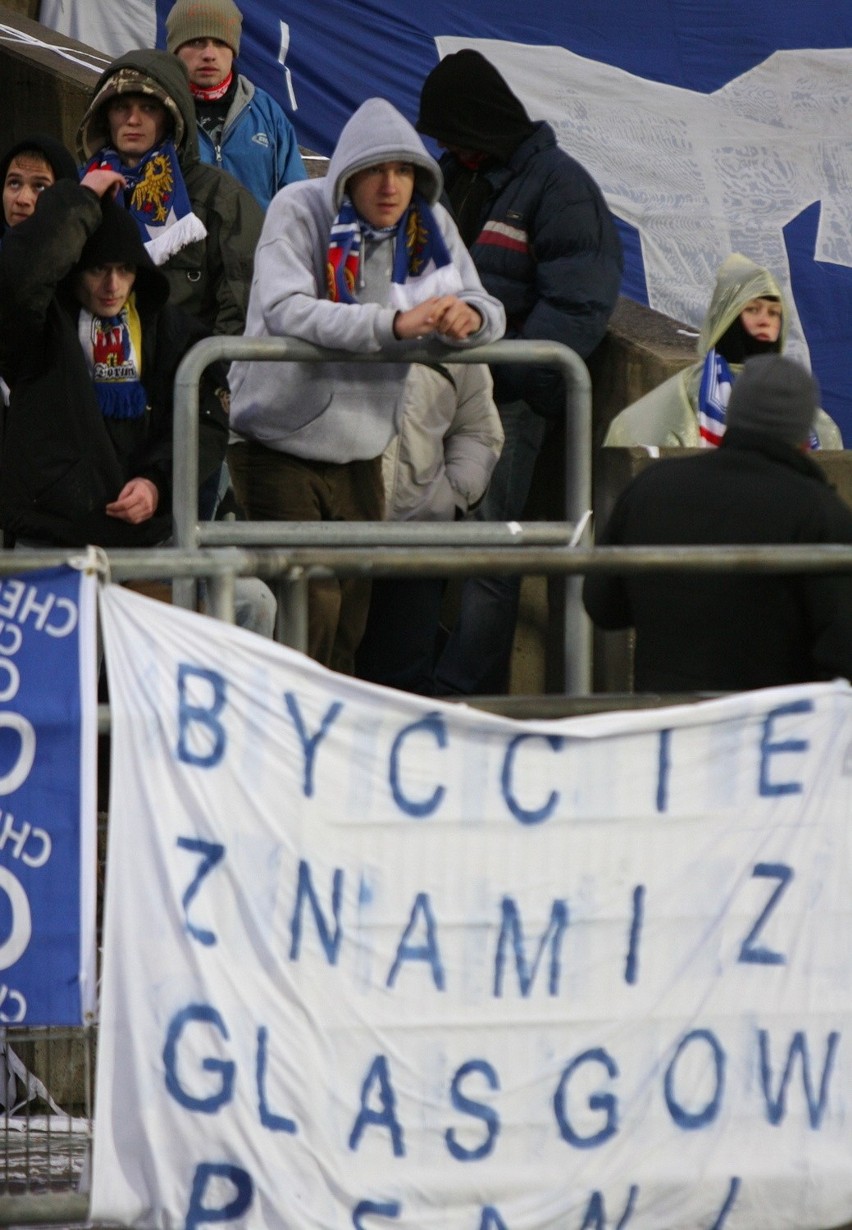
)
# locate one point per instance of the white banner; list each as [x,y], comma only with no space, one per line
[374,962]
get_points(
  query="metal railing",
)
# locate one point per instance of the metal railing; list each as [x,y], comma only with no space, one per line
[189,532]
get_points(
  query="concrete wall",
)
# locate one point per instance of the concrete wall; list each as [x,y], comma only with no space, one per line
[43,88]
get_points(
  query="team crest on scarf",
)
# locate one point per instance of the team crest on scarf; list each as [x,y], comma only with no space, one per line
[154,192]
[112,346]
[112,350]
[422,265]
[157,200]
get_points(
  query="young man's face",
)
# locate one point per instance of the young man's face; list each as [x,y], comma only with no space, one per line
[762,319]
[208,61]
[28,175]
[137,123]
[382,193]
[104,289]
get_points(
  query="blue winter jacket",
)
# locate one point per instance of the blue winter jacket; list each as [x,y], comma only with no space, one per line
[258,144]
[549,250]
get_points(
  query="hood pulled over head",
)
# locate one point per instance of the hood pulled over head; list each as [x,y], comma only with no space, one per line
[466,103]
[117,241]
[738,281]
[374,134]
[141,72]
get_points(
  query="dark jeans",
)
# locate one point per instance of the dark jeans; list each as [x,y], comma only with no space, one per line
[398,649]
[273,486]
[477,657]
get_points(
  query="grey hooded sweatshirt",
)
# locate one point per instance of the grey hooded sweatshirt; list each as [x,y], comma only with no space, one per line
[668,416]
[339,412]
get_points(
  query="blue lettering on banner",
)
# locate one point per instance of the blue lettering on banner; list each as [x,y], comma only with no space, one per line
[768,749]
[527,815]
[664,766]
[225,1070]
[310,742]
[275,1123]
[511,931]
[200,1214]
[211,854]
[605,1102]
[749,954]
[776,1106]
[378,1078]
[596,1218]
[690,1121]
[370,1208]
[631,965]
[305,891]
[427,951]
[730,1201]
[433,724]
[491,1219]
[479,1110]
[197,722]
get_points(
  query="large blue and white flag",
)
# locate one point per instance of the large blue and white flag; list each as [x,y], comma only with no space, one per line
[371,961]
[712,126]
[48,730]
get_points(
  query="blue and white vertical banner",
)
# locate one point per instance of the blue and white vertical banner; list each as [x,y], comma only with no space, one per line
[48,751]
[374,962]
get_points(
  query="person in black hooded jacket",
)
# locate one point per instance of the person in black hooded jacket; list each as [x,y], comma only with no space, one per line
[733,631]
[545,244]
[26,169]
[89,348]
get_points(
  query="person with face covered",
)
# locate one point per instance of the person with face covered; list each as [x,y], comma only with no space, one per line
[198,224]
[747,316]
[365,260]
[545,244]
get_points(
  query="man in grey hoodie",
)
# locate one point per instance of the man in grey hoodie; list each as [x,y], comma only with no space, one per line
[364,260]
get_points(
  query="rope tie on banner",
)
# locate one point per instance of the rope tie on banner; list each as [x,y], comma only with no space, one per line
[94,560]
[95,61]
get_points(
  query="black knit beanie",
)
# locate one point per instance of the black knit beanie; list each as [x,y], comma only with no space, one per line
[775,396]
[117,241]
[465,102]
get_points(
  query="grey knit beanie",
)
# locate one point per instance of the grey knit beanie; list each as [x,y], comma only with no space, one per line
[204,19]
[776,396]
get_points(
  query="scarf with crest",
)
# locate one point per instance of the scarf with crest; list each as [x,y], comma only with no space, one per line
[157,199]
[422,265]
[112,346]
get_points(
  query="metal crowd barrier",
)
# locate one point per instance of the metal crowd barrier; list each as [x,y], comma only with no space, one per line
[578,486]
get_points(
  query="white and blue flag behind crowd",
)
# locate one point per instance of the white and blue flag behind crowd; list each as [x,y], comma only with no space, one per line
[47,798]
[372,961]
[712,126]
